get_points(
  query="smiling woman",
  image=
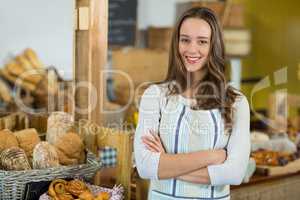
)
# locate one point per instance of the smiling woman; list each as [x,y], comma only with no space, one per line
[194,44]
[193,129]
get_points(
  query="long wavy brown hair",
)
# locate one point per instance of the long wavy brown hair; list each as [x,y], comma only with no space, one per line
[213,90]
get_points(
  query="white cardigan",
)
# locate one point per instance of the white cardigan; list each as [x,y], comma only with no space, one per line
[183,130]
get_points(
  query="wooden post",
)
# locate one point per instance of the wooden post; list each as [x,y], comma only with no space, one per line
[90,55]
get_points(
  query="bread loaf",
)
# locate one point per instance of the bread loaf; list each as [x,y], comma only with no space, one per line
[70,149]
[7,140]
[14,159]
[28,139]
[59,123]
[44,156]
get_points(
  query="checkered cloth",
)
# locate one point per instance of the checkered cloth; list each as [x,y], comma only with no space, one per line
[108,156]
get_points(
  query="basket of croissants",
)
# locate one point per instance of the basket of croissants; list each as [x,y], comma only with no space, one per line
[25,158]
[60,189]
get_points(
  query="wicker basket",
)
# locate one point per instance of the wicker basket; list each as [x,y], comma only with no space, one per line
[12,183]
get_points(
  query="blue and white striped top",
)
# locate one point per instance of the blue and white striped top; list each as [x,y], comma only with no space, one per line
[183,130]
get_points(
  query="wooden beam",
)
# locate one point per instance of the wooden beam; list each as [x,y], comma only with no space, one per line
[91,32]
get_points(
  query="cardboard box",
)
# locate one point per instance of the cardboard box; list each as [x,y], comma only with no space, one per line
[159,38]
[135,68]
[234,19]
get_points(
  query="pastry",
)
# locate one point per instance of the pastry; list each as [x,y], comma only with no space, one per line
[8,140]
[271,158]
[44,156]
[76,187]
[14,159]
[28,139]
[102,196]
[56,188]
[59,123]
[87,195]
[65,197]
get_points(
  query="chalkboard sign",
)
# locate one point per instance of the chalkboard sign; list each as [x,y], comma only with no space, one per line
[122,22]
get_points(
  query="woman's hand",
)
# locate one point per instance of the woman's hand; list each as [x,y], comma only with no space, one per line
[219,156]
[153,143]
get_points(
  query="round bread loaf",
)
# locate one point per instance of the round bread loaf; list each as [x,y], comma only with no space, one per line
[8,140]
[14,158]
[28,139]
[70,149]
[59,123]
[44,156]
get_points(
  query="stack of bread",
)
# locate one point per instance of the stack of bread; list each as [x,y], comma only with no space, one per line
[27,73]
[16,148]
[23,150]
[25,67]
[60,189]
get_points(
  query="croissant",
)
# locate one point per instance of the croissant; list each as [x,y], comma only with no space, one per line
[56,188]
[76,187]
[87,195]
[66,196]
[102,196]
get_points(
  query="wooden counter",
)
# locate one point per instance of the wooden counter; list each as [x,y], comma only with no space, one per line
[269,188]
[284,187]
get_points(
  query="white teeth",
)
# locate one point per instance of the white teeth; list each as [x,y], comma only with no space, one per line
[193,58]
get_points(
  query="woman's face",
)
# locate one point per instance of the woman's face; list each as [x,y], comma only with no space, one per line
[194,43]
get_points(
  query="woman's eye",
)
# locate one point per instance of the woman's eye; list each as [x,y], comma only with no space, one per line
[184,40]
[203,42]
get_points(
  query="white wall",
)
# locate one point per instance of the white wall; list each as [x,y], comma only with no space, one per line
[46,26]
[159,13]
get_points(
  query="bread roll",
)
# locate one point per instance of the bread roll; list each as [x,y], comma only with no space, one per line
[70,149]
[44,156]
[8,140]
[59,123]
[28,139]
[64,160]
[14,159]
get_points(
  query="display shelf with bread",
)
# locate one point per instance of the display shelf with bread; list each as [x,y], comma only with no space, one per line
[25,80]
[26,158]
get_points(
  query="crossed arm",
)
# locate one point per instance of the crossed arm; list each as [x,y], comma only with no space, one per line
[191,167]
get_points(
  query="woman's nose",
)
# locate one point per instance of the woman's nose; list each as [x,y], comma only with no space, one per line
[193,47]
